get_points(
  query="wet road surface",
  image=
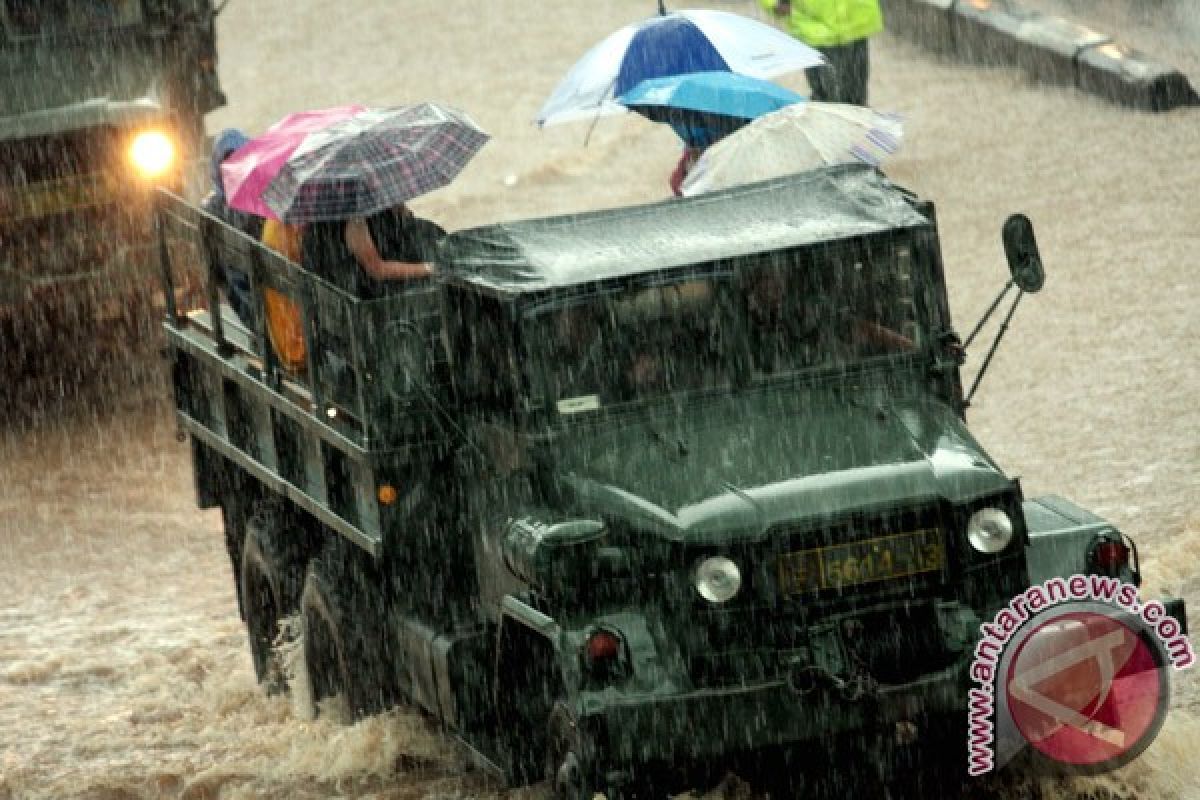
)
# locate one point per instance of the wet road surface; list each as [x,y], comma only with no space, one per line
[124,671]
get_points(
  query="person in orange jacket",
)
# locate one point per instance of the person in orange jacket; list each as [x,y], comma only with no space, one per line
[839,29]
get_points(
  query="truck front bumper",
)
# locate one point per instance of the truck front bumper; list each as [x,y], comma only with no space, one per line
[712,723]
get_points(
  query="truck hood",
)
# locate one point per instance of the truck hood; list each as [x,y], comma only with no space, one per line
[52,87]
[737,468]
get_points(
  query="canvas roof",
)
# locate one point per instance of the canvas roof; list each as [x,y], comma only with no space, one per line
[556,252]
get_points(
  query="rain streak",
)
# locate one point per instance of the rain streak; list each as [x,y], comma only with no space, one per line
[126,668]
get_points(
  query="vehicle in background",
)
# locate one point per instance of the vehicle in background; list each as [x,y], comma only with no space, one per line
[103,100]
[635,495]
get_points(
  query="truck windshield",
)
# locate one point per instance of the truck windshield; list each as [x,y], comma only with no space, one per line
[775,315]
[26,18]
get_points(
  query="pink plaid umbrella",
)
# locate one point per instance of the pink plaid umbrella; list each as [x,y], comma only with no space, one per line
[372,161]
[251,168]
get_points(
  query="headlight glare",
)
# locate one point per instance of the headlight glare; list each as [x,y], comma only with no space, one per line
[989,530]
[717,579]
[152,153]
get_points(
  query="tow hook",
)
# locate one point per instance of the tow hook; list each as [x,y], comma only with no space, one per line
[905,733]
[804,680]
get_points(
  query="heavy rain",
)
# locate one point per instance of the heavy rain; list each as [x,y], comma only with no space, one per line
[125,666]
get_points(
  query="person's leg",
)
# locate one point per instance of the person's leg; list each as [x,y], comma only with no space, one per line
[844,78]
[857,68]
[821,80]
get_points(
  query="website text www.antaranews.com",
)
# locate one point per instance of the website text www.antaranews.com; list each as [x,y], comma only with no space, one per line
[1035,601]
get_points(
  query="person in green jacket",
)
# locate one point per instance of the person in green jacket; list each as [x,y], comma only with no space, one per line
[839,29]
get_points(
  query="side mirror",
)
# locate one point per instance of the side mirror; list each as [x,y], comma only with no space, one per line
[1025,265]
[1020,247]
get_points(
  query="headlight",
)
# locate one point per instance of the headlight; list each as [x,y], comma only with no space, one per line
[152,153]
[989,530]
[717,579]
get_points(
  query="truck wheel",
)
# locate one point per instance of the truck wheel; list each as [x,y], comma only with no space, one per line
[345,651]
[571,766]
[270,591]
[234,523]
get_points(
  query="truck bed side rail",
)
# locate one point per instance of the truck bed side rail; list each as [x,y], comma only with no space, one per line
[373,370]
[362,406]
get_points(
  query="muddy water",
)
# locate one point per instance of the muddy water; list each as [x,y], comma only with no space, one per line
[123,666]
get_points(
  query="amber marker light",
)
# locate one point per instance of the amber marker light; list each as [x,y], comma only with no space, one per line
[152,154]
[387,494]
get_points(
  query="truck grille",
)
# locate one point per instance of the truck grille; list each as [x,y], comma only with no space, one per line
[758,635]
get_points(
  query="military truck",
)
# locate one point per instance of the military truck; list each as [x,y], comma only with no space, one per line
[103,99]
[631,495]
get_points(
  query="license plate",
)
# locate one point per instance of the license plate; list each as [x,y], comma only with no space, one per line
[867,561]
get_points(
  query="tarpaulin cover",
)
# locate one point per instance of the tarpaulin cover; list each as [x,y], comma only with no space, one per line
[821,205]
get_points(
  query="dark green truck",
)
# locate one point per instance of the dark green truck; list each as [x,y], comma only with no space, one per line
[630,496]
[102,100]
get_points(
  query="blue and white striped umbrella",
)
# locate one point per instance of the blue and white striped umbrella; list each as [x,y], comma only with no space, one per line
[672,44]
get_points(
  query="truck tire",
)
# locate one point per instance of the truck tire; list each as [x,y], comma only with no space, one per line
[271,571]
[346,648]
[526,686]
[233,520]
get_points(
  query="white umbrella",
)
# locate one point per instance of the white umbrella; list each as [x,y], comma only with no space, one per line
[794,139]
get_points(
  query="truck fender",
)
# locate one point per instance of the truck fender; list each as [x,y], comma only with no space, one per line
[1061,535]
[525,635]
[653,664]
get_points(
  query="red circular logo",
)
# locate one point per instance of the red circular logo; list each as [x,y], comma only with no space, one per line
[1088,690]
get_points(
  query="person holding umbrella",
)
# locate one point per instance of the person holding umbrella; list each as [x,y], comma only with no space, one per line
[237,282]
[608,78]
[703,108]
[669,44]
[796,138]
[362,254]
[839,29]
[350,183]
[346,174]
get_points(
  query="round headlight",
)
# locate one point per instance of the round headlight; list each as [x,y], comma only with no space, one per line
[152,153]
[989,530]
[717,579]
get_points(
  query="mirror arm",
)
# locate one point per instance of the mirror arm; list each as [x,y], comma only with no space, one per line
[995,342]
[988,314]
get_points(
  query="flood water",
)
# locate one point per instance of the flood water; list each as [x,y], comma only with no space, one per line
[124,671]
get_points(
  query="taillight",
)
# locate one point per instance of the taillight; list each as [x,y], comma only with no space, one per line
[603,646]
[604,658]
[1110,557]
